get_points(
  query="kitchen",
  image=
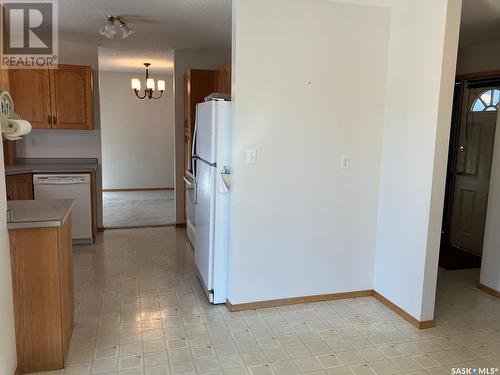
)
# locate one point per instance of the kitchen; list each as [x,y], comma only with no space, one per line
[334,208]
[54,184]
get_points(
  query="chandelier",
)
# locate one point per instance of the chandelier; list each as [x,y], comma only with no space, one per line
[109,29]
[150,86]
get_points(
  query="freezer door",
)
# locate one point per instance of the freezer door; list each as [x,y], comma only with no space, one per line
[204,213]
[205,131]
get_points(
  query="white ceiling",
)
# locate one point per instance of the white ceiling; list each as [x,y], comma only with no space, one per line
[480,22]
[131,60]
[161,26]
[164,25]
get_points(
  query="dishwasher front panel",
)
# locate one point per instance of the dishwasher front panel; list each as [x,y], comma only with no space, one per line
[76,187]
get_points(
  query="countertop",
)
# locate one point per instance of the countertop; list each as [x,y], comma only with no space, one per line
[52,165]
[41,213]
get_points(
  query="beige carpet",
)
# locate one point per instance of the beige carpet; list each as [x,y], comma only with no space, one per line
[138,208]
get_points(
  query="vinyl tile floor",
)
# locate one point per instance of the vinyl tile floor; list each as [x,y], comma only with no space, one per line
[129,209]
[140,310]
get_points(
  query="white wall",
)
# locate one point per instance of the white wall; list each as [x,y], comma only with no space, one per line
[183,61]
[137,135]
[8,358]
[43,143]
[490,267]
[308,89]
[479,58]
[416,133]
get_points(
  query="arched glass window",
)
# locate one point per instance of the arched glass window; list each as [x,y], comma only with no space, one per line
[487,101]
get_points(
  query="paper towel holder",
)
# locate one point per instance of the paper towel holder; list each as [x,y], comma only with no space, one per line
[7,112]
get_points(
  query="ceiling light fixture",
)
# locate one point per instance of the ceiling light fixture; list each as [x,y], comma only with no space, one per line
[109,29]
[150,86]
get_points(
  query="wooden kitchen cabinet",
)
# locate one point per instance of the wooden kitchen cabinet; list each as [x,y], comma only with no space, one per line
[223,79]
[54,99]
[4,80]
[19,187]
[197,85]
[30,91]
[71,93]
[42,283]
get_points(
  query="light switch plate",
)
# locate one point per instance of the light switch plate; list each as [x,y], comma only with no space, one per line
[345,162]
[251,156]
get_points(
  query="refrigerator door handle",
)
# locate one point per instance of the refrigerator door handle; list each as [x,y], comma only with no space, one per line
[195,193]
[193,146]
[192,185]
[188,181]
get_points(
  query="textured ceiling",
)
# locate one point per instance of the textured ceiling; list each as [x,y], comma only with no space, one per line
[164,25]
[131,60]
[480,22]
[161,26]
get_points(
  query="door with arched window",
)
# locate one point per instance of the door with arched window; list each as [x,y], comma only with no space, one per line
[473,167]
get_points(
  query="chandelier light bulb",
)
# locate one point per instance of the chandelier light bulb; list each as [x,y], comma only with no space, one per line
[161,85]
[150,84]
[136,84]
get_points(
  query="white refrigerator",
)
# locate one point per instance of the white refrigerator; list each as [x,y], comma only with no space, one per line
[211,169]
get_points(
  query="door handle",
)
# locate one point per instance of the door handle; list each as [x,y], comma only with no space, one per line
[188,181]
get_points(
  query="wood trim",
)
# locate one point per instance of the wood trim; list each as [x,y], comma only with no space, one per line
[487,74]
[100,229]
[410,319]
[17,372]
[332,297]
[180,225]
[140,189]
[297,300]
[491,291]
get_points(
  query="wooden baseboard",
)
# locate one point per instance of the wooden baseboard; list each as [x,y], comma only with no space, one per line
[100,229]
[297,300]
[332,297]
[180,225]
[487,289]
[141,189]
[410,319]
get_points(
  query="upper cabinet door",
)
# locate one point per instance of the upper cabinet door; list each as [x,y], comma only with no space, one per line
[72,97]
[31,95]
[224,79]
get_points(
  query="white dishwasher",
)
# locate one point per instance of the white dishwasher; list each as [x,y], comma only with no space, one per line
[69,186]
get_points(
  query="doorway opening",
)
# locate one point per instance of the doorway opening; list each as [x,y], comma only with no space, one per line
[137,139]
[474,122]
